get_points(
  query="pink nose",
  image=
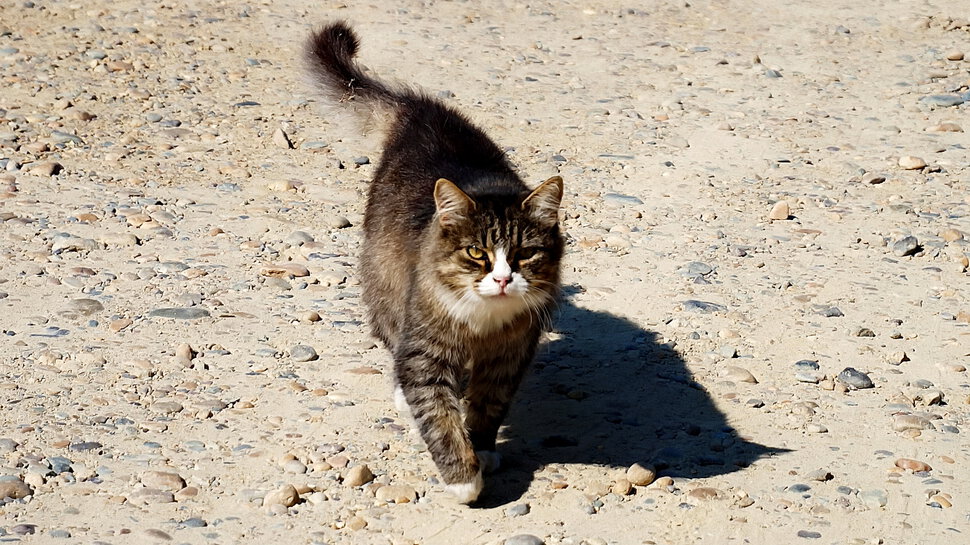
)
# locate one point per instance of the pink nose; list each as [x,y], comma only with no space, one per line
[502,281]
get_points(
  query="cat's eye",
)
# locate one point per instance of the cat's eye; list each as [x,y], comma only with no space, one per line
[525,253]
[475,252]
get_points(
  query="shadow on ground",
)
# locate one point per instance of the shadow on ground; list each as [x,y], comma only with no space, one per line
[608,393]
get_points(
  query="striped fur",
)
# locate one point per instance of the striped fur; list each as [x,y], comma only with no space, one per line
[459,267]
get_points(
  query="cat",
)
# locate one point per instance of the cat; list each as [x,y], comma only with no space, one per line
[460,262]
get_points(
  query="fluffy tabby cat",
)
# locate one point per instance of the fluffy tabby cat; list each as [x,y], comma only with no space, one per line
[460,262]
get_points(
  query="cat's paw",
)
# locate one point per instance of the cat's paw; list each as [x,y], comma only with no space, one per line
[467,492]
[401,402]
[489,460]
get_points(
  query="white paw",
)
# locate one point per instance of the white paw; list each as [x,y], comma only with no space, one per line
[489,460]
[467,492]
[401,402]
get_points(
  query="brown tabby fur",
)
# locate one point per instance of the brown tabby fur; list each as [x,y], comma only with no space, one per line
[442,192]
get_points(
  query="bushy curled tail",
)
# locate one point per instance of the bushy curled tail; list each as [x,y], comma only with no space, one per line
[329,56]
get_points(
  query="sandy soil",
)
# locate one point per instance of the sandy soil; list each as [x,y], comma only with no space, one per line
[183,356]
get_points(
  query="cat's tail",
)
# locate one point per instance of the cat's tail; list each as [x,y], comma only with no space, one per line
[329,57]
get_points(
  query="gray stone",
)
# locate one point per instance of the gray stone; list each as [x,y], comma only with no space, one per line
[856,380]
[705,307]
[194,522]
[84,307]
[618,198]
[302,352]
[524,539]
[8,445]
[180,313]
[943,101]
[874,499]
[170,267]
[906,246]
[809,535]
[61,137]
[518,510]
[697,267]
[70,243]
[59,533]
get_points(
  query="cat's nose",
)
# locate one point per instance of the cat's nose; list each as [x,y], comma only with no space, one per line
[502,281]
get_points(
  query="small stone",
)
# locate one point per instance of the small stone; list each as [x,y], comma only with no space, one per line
[874,499]
[820,475]
[641,474]
[356,523]
[873,178]
[46,168]
[24,529]
[339,222]
[285,270]
[190,313]
[396,494]
[909,162]
[298,238]
[622,487]
[808,535]
[287,496]
[281,140]
[951,235]
[358,475]
[943,501]
[812,427]
[906,246]
[294,466]
[14,488]
[302,352]
[704,493]
[943,101]
[739,374]
[518,510]
[85,307]
[945,127]
[854,379]
[149,496]
[119,324]
[704,307]
[904,422]
[163,480]
[59,533]
[780,211]
[912,465]
[524,539]
[954,55]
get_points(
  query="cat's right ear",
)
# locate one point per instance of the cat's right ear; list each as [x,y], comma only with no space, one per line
[453,204]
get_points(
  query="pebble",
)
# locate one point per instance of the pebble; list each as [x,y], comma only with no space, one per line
[163,480]
[294,466]
[945,127]
[14,488]
[951,235]
[954,55]
[46,168]
[943,101]
[704,493]
[641,474]
[281,139]
[906,246]
[912,465]
[190,313]
[396,494]
[302,352]
[285,270]
[286,496]
[854,379]
[874,499]
[780,211]
[903,422]
[358,475]
[149,496]
[704,307]
[808,534]
[84,307]
[24,529]
[739,374]
[524,539]
[909,162]
[518,510]
[820,475]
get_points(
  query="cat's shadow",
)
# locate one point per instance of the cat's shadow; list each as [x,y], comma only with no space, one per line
[606,392]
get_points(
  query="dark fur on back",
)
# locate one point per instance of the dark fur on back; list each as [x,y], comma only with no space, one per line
[447,221]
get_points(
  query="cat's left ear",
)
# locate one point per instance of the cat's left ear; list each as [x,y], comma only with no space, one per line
[543,202]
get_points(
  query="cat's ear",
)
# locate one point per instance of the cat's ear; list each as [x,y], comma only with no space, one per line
[543,202]
[452,203]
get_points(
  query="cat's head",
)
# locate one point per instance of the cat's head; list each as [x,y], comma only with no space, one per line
[497,256]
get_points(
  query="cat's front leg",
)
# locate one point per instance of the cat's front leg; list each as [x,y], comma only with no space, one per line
[489,396]
[431,389]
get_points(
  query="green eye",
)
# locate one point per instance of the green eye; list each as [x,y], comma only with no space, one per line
[475,252]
